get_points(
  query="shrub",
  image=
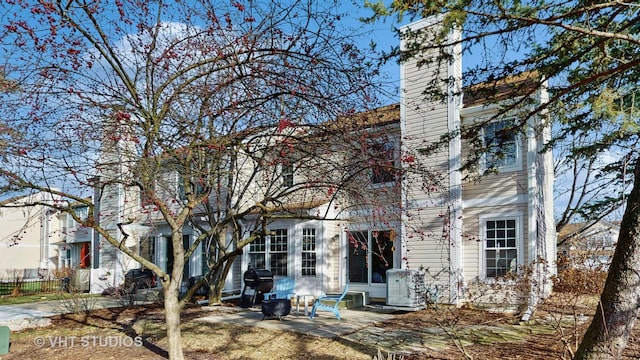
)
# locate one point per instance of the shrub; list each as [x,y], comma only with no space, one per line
[579,280]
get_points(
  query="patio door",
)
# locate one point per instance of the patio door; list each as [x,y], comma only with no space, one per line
[370,255]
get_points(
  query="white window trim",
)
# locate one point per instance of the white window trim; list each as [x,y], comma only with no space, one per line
[315,251]
[397,256]
[270,253]
[517,166]
[290,248]
[284,175]
[518,216]
[395,160]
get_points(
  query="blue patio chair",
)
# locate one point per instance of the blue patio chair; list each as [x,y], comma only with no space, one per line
[329,303]
[284,289]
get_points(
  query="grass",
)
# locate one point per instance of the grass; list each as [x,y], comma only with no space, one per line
[31,287]
[25,299]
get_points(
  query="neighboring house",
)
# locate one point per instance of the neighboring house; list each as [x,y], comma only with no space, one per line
[77,242]
[28,234]
[589,244]
[467,233]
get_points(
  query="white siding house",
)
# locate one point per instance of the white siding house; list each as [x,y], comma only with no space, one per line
[28,236]
[465,235]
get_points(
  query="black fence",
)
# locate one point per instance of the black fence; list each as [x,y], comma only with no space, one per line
[30,286]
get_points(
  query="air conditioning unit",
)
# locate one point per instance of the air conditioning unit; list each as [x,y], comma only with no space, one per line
[406,288]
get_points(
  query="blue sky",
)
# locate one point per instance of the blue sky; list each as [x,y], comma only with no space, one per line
[382,34]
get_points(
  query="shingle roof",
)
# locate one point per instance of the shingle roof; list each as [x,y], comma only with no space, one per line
[501,89]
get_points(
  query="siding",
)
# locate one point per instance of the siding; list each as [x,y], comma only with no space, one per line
[428,244]
[27,234]
[427,194]
[504,184]
[472,239]
[496,186]
[331,258]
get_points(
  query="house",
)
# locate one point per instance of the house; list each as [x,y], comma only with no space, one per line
[28,236]
[589,244]
[465,232]
[77,248]
[77,242]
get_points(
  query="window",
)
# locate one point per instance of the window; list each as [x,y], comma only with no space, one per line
[278,252]
[70,224]
[209,250]
[82,212]
[383,160]
[502,144]
[501,247]
[258,254]
[186,242]
[287,174]
[197,187]
[151,249]
[146,195]
[370,255]
[270,253]
[85,259]
[358,245]
[308,252]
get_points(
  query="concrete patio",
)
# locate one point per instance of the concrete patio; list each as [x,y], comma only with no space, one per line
[324,324]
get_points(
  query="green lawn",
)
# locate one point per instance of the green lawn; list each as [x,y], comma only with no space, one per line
[23,299]
[10,300]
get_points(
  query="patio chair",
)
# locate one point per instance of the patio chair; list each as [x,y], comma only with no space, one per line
[283,289]
[329,303]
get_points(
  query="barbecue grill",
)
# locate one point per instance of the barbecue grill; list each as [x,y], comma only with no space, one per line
[256,283]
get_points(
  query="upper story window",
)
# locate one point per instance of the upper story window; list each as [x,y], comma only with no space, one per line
[287,174]
[503,146]
[146,195]
[197,187]
[82,212]
[383,156]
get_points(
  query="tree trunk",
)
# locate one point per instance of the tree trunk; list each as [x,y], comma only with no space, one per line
[617,311]
[172,320]
[217,280]
[172,305]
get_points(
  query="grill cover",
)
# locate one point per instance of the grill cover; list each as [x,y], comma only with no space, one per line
[261,280]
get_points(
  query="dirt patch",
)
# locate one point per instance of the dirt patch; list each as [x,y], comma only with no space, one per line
[138,333]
